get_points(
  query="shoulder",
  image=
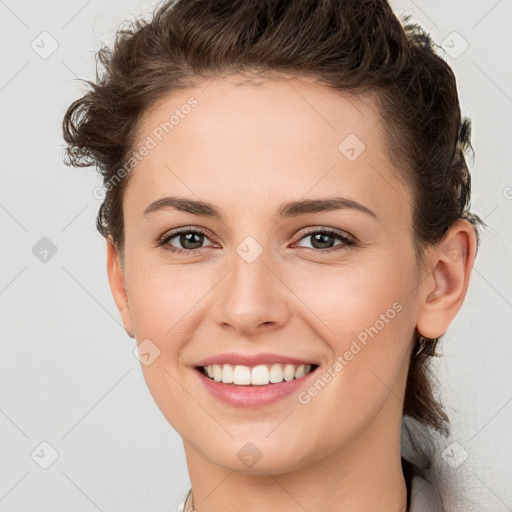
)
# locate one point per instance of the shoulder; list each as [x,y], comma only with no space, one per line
[435,486]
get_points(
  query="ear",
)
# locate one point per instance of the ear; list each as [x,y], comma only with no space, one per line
[444,290]
[117,286]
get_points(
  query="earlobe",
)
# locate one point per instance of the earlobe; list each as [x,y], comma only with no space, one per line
[117,286]
[443,294]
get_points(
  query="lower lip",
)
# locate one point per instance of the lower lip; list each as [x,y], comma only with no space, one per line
[253,396]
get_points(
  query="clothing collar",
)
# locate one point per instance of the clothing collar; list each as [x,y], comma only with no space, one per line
[424,496]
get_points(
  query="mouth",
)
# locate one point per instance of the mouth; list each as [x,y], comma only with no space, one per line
[258,375]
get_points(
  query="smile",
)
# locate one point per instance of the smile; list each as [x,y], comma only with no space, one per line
[254,386]
[259,375]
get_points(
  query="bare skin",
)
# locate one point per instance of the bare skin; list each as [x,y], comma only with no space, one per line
[247,150]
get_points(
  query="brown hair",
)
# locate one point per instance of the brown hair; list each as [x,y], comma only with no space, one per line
[354,45]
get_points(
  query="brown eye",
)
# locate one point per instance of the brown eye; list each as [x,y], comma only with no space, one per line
[325,238]
[186,241]
[190,240]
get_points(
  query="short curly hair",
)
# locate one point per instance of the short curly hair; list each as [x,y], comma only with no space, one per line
[358,46]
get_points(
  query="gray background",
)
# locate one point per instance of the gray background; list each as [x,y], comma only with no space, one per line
[68,376]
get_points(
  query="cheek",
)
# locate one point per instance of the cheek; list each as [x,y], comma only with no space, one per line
[161,306]
[161,294]
[346,302]
[365,317]
[167,304]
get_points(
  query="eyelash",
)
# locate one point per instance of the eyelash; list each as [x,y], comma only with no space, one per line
[347,241]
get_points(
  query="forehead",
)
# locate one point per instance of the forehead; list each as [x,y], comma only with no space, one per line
[278,139]
[290,107]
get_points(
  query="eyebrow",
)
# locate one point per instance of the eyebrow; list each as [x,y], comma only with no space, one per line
[289,209]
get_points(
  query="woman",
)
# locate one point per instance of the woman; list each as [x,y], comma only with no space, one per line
[288,237]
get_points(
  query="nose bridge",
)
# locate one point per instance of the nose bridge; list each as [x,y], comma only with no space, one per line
[251,294]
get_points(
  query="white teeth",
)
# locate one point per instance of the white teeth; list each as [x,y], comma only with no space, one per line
[289,372]
[259,375]
[241,375]
[217,373]
[299,372]
[227,374]
[276,373]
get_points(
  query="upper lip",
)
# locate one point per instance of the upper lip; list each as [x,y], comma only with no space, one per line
[252,359]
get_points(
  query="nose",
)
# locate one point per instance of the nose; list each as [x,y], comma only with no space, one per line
[252,297]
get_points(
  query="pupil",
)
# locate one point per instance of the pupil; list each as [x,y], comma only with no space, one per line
[188,238]
[322,238]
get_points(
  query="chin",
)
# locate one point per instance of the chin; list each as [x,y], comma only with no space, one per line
[259,455]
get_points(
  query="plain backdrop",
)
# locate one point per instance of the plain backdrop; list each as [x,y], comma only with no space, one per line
[72,394]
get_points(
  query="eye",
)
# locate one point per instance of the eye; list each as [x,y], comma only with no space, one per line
[190,239]
[322,239]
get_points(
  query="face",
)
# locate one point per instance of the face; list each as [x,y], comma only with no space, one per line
[331,285]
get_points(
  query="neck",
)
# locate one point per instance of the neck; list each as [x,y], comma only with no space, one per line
[364,475]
